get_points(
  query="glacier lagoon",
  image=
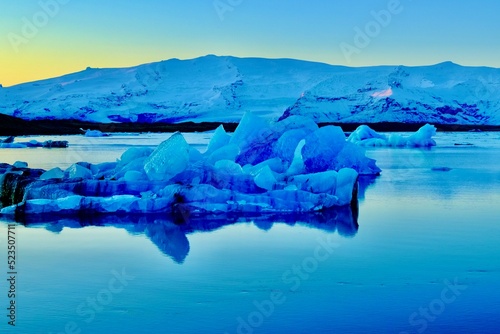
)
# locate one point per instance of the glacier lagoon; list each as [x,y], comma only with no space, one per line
[424,258]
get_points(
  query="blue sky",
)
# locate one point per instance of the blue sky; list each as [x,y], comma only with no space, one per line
[74,34]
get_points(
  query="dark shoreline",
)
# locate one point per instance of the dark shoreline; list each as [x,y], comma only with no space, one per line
[11,126]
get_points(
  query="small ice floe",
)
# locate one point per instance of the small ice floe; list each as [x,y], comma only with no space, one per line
[54,173]
[20,164]
[94,133]
[286,166]
[365,136]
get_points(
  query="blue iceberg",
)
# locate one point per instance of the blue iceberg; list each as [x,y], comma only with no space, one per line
[263,167]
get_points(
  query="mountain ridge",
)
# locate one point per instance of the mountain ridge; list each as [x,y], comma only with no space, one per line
[222,88]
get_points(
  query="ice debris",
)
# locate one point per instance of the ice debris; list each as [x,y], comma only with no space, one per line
[365,136]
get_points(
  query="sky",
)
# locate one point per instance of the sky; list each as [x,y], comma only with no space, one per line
[47,38]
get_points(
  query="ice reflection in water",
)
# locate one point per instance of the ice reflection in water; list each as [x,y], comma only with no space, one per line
[169,233]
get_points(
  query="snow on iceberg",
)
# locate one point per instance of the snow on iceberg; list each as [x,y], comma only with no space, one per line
[365,136]
[286,166]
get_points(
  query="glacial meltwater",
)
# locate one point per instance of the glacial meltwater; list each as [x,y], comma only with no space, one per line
[423,255]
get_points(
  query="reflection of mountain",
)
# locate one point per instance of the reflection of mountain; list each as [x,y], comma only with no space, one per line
[169,233]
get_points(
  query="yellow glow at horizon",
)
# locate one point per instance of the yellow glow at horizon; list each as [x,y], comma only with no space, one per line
[46,59]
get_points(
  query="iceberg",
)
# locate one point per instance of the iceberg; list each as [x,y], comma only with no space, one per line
[290,165]
[94,133]
[169,159]
[365,136]
[54,173]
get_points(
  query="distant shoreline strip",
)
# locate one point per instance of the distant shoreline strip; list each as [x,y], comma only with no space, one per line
[11,126]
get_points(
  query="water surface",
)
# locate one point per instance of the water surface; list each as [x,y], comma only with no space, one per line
[425,257]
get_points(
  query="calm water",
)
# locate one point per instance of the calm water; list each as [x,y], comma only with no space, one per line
[425,258]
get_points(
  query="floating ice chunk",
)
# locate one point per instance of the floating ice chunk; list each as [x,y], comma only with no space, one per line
[374,142]
[228,174]
[251,129]
[169,191]
[20,164]
[40,206]
[259,140]
[54,173]
[117,203]
[94,133]
[396,140]
[363,133]
[285,146]
[254,137]
[169,159]
[69,203]
[353,156]
[365,136]
[228,152]
[194,155]
[194,174]
[322,147]
[323,182]
[265,179]
[77,171]
[134,165]
[9,210]
[275,164]
[297,166]
[296,122]
[134,176]
[204,193]
[423,137]
[134,153]
[228,167]
[219,139]
[283,199]
[103,170]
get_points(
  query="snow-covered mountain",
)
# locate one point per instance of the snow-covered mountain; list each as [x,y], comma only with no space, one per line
[222,89]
